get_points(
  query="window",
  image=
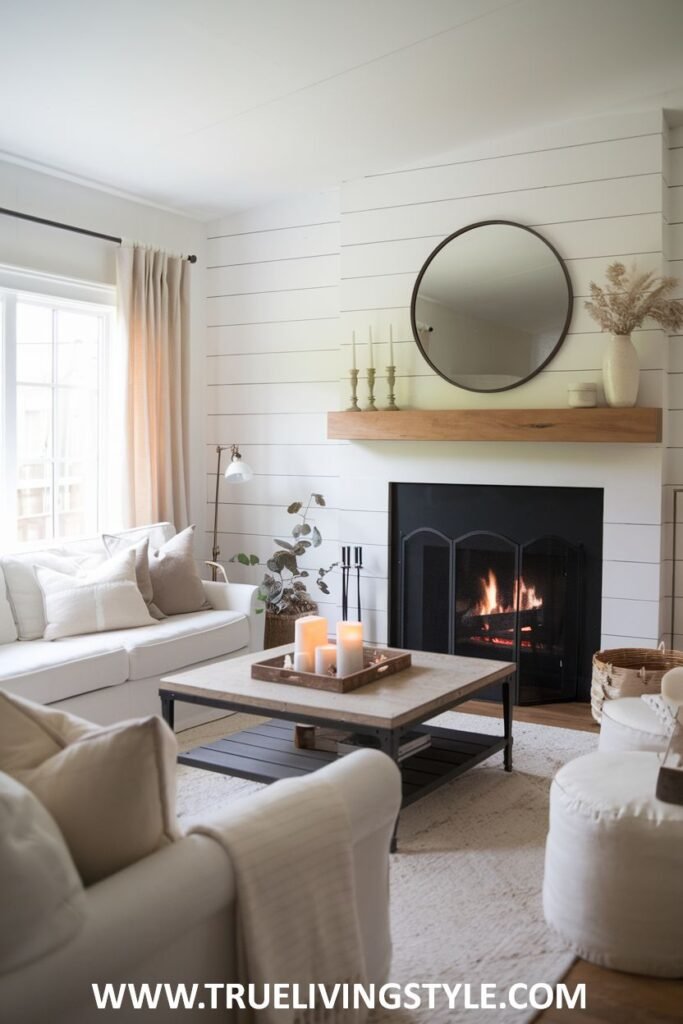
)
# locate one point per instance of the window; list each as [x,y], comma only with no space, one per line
[55,359]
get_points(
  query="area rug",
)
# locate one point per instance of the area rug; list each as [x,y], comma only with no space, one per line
[466,882]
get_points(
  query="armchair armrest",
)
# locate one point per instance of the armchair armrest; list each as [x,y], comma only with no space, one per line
[239,597]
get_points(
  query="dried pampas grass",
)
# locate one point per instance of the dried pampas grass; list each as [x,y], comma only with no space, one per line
[631,297]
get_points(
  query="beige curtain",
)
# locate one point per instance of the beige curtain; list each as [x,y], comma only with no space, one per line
[154,306]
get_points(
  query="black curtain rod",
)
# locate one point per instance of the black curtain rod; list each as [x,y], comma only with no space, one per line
[69,227]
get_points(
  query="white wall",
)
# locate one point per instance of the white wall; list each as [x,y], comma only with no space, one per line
[49,250]
[593,188]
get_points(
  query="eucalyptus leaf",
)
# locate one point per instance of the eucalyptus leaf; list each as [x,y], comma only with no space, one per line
[315,537]
[254,560]
[294,507]
[296,532]
[284,544]
[305,529]
[319,500]
[243,559]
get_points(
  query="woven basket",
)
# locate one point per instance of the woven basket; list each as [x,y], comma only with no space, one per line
[629,672]
[280,629]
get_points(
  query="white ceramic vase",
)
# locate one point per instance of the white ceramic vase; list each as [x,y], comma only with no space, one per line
[620,371]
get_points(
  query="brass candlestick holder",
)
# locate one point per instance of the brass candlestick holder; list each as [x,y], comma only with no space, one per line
[354,407]
[391,380]
[371,407]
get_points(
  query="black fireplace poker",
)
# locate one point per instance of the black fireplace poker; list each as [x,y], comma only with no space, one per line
[346,567]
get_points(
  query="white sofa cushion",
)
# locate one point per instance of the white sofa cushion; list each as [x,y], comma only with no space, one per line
[183,640]
[47,672]
[106,598]
[42,903]
[111,790]
[8,628]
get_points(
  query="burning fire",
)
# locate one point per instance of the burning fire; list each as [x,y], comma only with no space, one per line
[523,597]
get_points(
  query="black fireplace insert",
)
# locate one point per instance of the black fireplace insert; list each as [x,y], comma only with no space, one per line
[512,573]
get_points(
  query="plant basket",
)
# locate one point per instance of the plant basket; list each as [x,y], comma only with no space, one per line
[280,628]
[629,672]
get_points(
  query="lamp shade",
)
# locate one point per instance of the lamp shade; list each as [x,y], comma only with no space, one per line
[238,471]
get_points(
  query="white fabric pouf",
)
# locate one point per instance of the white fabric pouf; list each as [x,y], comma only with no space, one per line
[629,724]
[613,885]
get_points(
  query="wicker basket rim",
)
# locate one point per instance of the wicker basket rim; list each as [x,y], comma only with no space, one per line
[639,657]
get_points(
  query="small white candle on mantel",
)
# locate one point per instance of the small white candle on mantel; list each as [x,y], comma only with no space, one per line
[391,345]
[325,659]
[353,351]
[303,661]
[371,359]
[349,647]
[310,631]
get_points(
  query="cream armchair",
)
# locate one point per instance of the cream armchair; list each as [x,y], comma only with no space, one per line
[170,917]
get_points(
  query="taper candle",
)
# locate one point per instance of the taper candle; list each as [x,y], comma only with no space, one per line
[353,351]
[391,345]
[371,361]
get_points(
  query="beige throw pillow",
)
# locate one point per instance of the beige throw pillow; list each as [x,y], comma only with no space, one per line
[42,903]
[23,591]
[111,790]
[176,581]
[104,599]
[114,545]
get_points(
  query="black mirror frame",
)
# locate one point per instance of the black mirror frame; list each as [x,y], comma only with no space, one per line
[563,333]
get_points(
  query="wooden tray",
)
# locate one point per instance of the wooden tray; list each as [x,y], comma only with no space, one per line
[273,671]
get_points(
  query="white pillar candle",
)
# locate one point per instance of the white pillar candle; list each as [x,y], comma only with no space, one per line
[325,658]
[310,632]
[349,647]
[353,350]
[391,345]
[303,661]
[371,360]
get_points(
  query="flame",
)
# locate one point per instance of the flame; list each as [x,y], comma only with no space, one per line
[523,597]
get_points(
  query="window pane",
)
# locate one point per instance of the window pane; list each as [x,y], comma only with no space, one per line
[76,425]
[34,423]
[34,324]
[77,348]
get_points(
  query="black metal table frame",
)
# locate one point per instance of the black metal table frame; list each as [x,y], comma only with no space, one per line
[388,740]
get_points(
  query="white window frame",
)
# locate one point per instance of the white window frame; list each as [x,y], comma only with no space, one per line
[24,285]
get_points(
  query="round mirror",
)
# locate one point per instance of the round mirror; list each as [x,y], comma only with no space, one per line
[491,306]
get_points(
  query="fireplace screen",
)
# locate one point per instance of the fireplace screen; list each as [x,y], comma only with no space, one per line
[484,594]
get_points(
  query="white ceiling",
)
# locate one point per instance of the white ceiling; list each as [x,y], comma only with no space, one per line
[208,106]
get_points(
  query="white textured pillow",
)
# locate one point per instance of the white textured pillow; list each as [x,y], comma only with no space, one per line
[111,790]
[107,598]
[8,629]
[42,903]
[114,544]
[25,598]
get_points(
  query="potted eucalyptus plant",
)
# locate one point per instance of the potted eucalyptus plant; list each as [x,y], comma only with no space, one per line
[283,588]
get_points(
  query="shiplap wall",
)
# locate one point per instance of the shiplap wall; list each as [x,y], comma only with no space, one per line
[286,291]
[673,228]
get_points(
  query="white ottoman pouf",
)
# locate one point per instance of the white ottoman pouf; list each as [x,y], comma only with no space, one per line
[613,885]
[629,724]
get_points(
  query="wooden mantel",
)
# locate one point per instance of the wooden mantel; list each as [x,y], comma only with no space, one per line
[639,425]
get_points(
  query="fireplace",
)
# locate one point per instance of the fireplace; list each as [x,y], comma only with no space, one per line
[512,573]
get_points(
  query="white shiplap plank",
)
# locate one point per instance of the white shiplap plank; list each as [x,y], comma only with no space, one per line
[273,428]
[307,272]
[592,199]
[269,307]
[608,159]
[278,368]
[274,399]
[281,244]
[294,336]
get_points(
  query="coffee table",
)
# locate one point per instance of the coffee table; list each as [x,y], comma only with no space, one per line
[383,714]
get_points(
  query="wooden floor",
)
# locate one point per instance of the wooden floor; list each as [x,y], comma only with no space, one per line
[611,997]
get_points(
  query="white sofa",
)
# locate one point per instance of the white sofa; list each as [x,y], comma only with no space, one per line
[171,917]
[107,677]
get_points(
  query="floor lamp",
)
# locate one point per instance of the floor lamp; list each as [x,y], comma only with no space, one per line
[238,472]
